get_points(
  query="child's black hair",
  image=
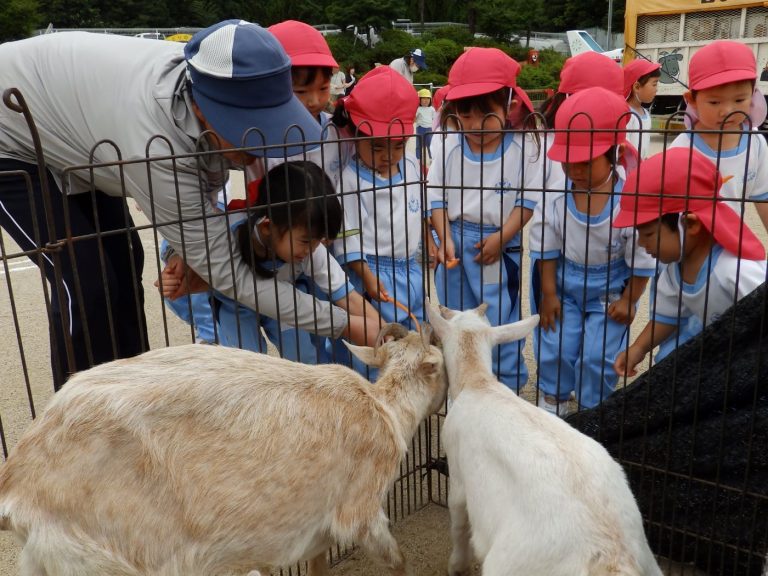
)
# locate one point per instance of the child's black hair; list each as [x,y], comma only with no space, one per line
[292,194]
[483,103]
[643,80]
[550,106]
[670,220]
[306,75]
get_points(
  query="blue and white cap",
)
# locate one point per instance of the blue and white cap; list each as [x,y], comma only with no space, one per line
[241,80]
[419,57]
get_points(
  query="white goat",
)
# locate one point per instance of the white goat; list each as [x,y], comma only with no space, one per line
[198,460]
[539,497]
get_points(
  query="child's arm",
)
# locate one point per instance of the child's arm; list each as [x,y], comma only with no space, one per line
[490,247]
[623,309]
[446,251]
[550,309]
[652,335]
[373,287]
[364,320]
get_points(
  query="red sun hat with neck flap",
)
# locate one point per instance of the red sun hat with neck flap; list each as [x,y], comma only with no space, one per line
[589,70]
[587,124]
[683,180]
[721,62]
[635,70]
[481,71]
[383,104]
[304,44]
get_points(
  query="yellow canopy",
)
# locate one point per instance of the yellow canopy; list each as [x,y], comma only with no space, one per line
[637,8]
[179,37]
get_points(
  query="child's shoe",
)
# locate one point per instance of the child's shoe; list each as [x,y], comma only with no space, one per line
[551,405]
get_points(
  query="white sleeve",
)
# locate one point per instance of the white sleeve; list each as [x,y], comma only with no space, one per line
[544,238]
[436,197]
[348,246]
[665,298]
[637,259]
[326,272]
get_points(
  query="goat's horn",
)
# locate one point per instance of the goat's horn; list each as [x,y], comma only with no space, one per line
[426,335]
[396,330]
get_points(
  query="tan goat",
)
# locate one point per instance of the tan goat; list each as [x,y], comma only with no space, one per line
[198,460]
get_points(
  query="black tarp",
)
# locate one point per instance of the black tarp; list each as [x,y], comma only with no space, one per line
[692,434]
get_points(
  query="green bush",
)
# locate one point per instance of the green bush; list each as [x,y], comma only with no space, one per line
[546,74]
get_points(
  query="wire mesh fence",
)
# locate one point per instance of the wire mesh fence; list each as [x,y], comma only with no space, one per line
[284,272]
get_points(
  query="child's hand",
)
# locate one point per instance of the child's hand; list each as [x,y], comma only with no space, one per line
[446,252]
[374,288]
[490,248]
[550,312]
[178,279]
[432,250]
[627,361]
[622,311]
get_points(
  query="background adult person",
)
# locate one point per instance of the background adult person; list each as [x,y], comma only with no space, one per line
[82,88]
[409,64]
[338,79]
[349,80]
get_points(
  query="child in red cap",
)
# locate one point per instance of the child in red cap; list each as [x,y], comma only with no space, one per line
[580,72]
[711,259]
[591,274]
[723,107]
[381,195]
[641,81]
[482,190]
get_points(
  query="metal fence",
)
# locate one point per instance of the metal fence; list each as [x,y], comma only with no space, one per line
[690,431]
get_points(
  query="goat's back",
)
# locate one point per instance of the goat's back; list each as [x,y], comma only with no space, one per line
[551,496]
[207,445]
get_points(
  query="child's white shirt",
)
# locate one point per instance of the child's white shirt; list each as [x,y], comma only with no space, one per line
[332,155]
[484,188]
[717,283]
[425,116]
[382,216]
[558,228]
[744,168]
[640,120]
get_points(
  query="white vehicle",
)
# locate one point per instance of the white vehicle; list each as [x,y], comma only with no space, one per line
[671,33]
[581,41]
[327,29]
[151,35]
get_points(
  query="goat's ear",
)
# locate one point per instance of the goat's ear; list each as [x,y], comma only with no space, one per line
[436,320]
[365,354]
[431,364]
[480,310]
[514,331]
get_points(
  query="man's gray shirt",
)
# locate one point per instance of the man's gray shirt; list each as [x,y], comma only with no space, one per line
[82,88]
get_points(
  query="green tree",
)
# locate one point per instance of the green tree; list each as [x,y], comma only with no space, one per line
[501,18]
[364,13]
[69,13]
[18,18]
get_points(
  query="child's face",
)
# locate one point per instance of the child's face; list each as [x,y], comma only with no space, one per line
[589,175]
[713,105]
[659,240]
[293,245]
[646,92]
[314,95]
[476,120]
[425,101]
[381,155]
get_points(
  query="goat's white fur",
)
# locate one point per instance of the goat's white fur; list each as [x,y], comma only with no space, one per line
[538,497]
[198,460]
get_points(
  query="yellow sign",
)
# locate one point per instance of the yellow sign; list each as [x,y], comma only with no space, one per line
[179,37]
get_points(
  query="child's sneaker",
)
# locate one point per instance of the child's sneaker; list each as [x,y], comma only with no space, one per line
[551,405]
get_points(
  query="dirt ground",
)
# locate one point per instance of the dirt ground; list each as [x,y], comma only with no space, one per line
[25,380]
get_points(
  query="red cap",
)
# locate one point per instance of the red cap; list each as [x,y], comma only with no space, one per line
[525,100]
[586,125]
[383,103]
[303,43]
[684,180]
[590,69]
[439,96]
[635,70]
[481,71]
[719,63]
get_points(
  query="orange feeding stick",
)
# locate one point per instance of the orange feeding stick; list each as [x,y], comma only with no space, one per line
[405,309]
